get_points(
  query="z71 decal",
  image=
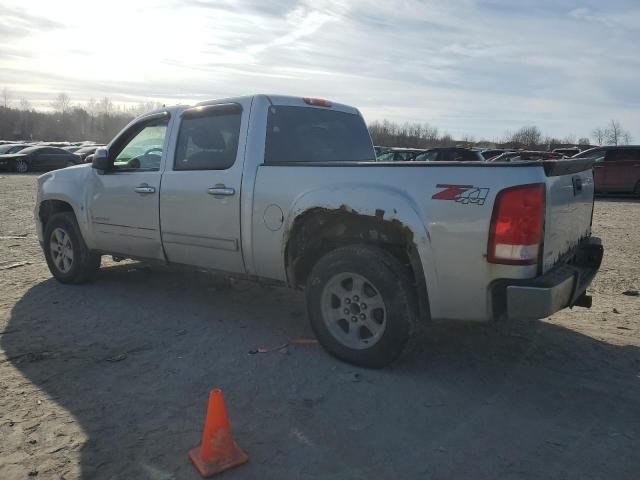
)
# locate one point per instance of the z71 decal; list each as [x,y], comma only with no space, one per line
[465,194]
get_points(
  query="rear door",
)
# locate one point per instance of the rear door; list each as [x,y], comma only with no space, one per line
[57,158]
[621,169]
[200,196]
[42,158]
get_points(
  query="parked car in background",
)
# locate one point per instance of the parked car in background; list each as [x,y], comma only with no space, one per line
[397,154]
[617,169]
[12,147]
[567,152]
[493,152]
[381,149]
[84,152]
[38,158]
[448,154]
[526,156]
[72,148]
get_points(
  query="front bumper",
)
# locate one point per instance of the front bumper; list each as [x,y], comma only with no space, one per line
[563,286]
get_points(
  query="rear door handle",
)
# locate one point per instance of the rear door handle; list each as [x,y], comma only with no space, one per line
[144,188]
[221,190]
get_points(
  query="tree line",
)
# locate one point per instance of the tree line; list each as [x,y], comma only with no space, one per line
[95,120]
[424,135]
[100,120]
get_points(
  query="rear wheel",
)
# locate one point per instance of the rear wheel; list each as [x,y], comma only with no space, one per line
[67,256]
[361,305]
[20,165]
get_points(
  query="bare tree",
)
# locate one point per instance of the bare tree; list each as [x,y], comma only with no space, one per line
[599,135]
[583,141]
[616,135]
[105,106]
[25,105]
[92,106]
[6,97]
[62,103]
[529,136]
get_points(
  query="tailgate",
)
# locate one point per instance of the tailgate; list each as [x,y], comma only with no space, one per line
[569,207]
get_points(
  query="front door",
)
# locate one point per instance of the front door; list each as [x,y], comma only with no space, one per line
[125,198]
[200,197]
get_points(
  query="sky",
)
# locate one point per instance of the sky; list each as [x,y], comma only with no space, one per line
[469,67]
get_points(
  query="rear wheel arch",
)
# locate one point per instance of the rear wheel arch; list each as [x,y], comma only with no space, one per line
[318,231]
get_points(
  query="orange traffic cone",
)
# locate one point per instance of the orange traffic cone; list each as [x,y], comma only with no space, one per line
[218,450]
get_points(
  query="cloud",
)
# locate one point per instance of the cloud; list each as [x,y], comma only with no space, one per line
[473,66]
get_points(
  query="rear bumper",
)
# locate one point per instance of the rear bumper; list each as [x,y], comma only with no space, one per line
[563,286]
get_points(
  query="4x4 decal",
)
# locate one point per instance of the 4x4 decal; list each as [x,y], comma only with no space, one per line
[465,194]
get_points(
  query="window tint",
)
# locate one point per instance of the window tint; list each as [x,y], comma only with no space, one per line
[386,157]
[209,141]
[462,156]
[305,134]
[144,150]
[623,154]
[30,149]
[427,156]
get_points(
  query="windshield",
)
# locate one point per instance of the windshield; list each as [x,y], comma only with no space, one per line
[30,149]
[6,148]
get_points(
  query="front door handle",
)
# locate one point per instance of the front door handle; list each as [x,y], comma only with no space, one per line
[597,166]
[144,188]
[221,190]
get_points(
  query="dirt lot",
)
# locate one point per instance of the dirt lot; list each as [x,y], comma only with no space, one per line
[110,380]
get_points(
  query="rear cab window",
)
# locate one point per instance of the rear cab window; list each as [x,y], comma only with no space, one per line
[623,155]
[316,134]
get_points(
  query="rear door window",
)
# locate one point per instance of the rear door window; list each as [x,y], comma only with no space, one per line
[209,141]
[307,134]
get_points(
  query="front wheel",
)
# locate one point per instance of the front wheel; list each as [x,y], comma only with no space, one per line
[361,304]
[21,165]
[67,256]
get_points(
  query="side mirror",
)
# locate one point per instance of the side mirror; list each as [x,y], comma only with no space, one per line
[100,159]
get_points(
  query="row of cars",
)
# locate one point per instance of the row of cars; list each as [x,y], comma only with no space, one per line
[461,154]
[616,168]
[25,157]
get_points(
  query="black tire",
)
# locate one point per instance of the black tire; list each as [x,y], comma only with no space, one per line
[385,276]
[636,190]
[21,166]
[84,263]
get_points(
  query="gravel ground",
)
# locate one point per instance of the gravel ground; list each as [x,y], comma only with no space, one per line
[110,380]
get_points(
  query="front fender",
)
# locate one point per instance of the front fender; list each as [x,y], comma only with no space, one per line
[66,185]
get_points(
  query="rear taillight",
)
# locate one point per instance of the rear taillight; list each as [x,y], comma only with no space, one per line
[517,225]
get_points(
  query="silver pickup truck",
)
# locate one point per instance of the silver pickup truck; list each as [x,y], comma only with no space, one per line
[287,189]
